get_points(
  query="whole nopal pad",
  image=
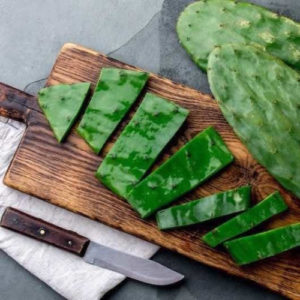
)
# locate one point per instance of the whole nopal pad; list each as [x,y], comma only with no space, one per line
[258,246]
[264,210]
[61,105]
[199,159]
[151,128]
[115,92]
[204,25]
[204,209]
[259,96]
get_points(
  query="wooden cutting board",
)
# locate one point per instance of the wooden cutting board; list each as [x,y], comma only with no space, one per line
[64,174]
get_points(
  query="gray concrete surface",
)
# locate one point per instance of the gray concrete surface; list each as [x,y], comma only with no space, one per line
[32,31]
[139,33]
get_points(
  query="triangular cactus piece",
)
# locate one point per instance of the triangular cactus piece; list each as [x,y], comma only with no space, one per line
[115,93]
[61,105]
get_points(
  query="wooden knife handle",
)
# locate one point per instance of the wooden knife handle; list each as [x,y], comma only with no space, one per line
[43,231]
[16,104]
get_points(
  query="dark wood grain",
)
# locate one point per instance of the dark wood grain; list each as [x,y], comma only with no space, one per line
[16,104]
[41,230]
[64,175]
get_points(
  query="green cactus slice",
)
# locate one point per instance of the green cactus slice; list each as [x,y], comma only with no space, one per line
[204,209]
[264,210]
[199,159]
[259,97]
[61,105]
[265,244]
[151,128]
[204,25]
[116,91]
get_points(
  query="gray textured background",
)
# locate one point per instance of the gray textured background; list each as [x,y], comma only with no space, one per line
[139,32]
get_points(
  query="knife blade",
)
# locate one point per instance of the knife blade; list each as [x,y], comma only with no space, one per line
[137,268]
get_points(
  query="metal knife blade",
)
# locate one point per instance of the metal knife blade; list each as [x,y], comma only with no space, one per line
[140,269]
[144,270]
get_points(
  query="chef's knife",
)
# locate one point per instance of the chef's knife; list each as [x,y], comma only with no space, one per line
[140,269]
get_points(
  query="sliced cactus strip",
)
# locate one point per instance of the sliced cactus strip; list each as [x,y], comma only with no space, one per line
[116,91]
[264,210]
[151,128]
[199,159]
[61,105]
[204,25]
[204,209]
[259,97]
[255,247]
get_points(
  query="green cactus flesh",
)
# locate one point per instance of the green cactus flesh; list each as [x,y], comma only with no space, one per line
[265,244]
[264,210]
[259,97]
[151,128]
[199,159]
[61,105]
[204,209]
[116,91]
[204,25]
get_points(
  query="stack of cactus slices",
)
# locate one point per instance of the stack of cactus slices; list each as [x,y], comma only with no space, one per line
[248,53]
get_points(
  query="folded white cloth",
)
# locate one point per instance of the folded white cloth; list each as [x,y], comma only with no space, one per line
[64,272]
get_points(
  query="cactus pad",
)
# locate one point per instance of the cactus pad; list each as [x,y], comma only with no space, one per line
[151,128]
[116,91]
[204,25]
[251,248]
[199,159]
[61,105]
[259,96]
[204,209]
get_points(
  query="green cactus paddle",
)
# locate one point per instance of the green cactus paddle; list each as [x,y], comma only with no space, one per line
[259,97]
[204,25]
[61,105]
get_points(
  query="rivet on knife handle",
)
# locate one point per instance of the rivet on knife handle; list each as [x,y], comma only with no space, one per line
[43,231]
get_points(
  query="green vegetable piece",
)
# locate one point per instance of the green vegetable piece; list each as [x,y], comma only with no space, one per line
[204,209]
[151,128]
[264,210]
[116,91]
[61,105]
[255,247]
[205,25]
[259,97]
[195,162]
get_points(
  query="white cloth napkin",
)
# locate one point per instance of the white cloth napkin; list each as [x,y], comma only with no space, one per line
[64,272]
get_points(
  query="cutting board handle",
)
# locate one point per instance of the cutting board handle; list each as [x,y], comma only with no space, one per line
[43,231]
[16,104]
